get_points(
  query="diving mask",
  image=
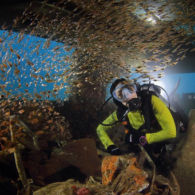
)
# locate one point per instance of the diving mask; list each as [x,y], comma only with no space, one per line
[124,92]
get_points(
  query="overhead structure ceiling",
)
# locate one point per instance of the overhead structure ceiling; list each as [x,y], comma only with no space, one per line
[12,9]
[9,10]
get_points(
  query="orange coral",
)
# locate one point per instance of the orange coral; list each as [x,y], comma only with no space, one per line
[109,167]
[139,179]
[123,170]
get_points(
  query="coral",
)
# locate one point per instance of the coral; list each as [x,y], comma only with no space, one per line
[83,191]
[109,168]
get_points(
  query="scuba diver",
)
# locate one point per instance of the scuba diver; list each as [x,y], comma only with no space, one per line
[147,119]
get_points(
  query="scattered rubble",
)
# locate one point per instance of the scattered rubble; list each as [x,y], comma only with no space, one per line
[121,175]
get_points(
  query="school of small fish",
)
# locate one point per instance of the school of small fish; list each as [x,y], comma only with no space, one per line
[97,41]
[110,39]
[39,119]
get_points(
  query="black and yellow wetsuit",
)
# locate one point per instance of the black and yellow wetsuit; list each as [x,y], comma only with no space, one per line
[136,119]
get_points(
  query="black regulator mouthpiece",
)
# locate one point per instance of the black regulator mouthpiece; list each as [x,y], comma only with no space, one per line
[134,104]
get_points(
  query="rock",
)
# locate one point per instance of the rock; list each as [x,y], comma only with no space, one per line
[81,154]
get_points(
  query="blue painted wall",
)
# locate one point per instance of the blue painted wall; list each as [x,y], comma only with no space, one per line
[32,56]
[51,59]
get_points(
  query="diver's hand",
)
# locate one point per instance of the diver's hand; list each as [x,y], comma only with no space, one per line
[114,150]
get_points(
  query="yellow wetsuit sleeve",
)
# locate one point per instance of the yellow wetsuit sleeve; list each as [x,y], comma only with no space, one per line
[101,130]
[165,120]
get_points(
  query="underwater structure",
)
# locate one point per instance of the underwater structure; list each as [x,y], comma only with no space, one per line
[57,61]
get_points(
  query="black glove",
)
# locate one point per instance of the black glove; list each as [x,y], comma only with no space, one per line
[136,137]
[114,150]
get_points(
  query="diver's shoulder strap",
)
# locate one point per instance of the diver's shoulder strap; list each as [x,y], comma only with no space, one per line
[147,111]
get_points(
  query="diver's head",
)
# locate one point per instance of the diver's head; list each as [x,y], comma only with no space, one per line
[124,94]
